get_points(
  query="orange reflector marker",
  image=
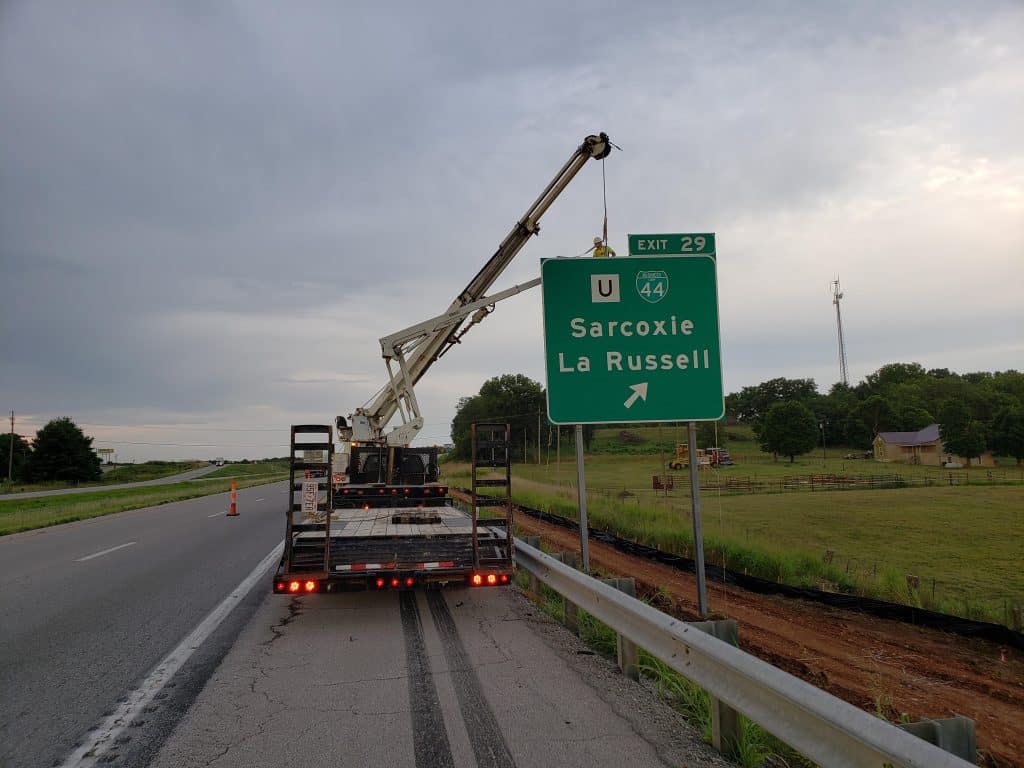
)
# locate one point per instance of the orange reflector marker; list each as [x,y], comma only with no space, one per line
[492,579]
[477,579]
[280,586]
[311,586]
[293,586]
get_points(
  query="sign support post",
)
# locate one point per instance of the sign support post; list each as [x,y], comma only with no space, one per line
[581,489]
[698,534]
[636,340]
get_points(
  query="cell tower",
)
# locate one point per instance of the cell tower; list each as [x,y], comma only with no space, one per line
[837,294]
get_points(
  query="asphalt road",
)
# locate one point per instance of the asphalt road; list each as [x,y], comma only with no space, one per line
[471,678]
[88,608]
[192,474]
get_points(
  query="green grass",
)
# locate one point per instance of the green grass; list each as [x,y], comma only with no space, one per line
[963,543]
[126,473]
[249,470]
[26,514]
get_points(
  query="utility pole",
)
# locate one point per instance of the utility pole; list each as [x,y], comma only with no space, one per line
[10,457]
[837,294]
[538,438]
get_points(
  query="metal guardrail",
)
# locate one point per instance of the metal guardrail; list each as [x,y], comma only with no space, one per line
[820,726]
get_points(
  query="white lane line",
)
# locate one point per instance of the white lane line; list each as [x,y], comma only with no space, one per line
[96,744]
[105,552]
[259,499]
[216,514]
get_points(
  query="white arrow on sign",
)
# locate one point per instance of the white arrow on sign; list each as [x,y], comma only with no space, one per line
[639,390]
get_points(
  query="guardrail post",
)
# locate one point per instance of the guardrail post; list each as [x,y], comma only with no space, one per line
[626,650]
[725,721]
[571,610]
[533,586]
[953,734]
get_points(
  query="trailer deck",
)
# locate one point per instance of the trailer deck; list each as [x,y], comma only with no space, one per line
[399,535]
[381,522]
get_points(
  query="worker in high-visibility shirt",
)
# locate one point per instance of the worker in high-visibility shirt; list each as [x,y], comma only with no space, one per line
[601,250]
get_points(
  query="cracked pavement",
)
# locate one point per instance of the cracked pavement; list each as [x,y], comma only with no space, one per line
[323,680]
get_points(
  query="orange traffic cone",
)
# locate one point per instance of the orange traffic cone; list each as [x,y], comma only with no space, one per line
[233,512]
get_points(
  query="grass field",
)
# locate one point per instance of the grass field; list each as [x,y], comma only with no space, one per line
[252,469]
[25,514]
[964,543]
[126,473]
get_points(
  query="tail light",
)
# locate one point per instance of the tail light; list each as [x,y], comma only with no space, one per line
[488,579]
[395,583]
[293,586]
[310,586]
[409,582]
[379,583]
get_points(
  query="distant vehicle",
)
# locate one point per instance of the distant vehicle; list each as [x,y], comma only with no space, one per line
[720,457]
[219,461]
[952,465]
[682,458]
[706,457]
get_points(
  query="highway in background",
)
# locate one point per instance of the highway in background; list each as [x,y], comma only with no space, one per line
[192,474]
[88,608]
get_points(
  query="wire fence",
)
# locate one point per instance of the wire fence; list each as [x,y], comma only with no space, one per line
[826,482]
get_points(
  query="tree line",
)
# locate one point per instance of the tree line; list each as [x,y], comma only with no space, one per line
[976,411]
[60,452]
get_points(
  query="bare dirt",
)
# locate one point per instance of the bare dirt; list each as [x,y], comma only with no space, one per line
[884,667]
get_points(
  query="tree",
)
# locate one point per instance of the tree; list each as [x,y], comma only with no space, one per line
[960,434]
[788,428]
[893,374]
[514,398]
[22,452]
[1008,434]
[61,452]
[751,403]
[877,414]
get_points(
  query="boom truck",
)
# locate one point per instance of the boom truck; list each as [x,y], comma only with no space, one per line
[372,513]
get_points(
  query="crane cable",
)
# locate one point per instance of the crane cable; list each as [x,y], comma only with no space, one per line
[604,193]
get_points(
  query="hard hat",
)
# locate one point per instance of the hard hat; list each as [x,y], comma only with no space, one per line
[597,241]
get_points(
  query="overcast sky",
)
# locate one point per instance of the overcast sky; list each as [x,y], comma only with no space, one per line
[210,212]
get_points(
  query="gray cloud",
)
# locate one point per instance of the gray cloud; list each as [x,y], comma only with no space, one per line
[209,214]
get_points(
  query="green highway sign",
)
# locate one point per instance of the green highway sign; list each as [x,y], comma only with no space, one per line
[686,244]
[632,340]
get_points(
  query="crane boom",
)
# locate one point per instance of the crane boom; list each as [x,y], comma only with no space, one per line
[371,419]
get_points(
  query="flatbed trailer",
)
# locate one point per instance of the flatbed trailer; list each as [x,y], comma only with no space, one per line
[387,536]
